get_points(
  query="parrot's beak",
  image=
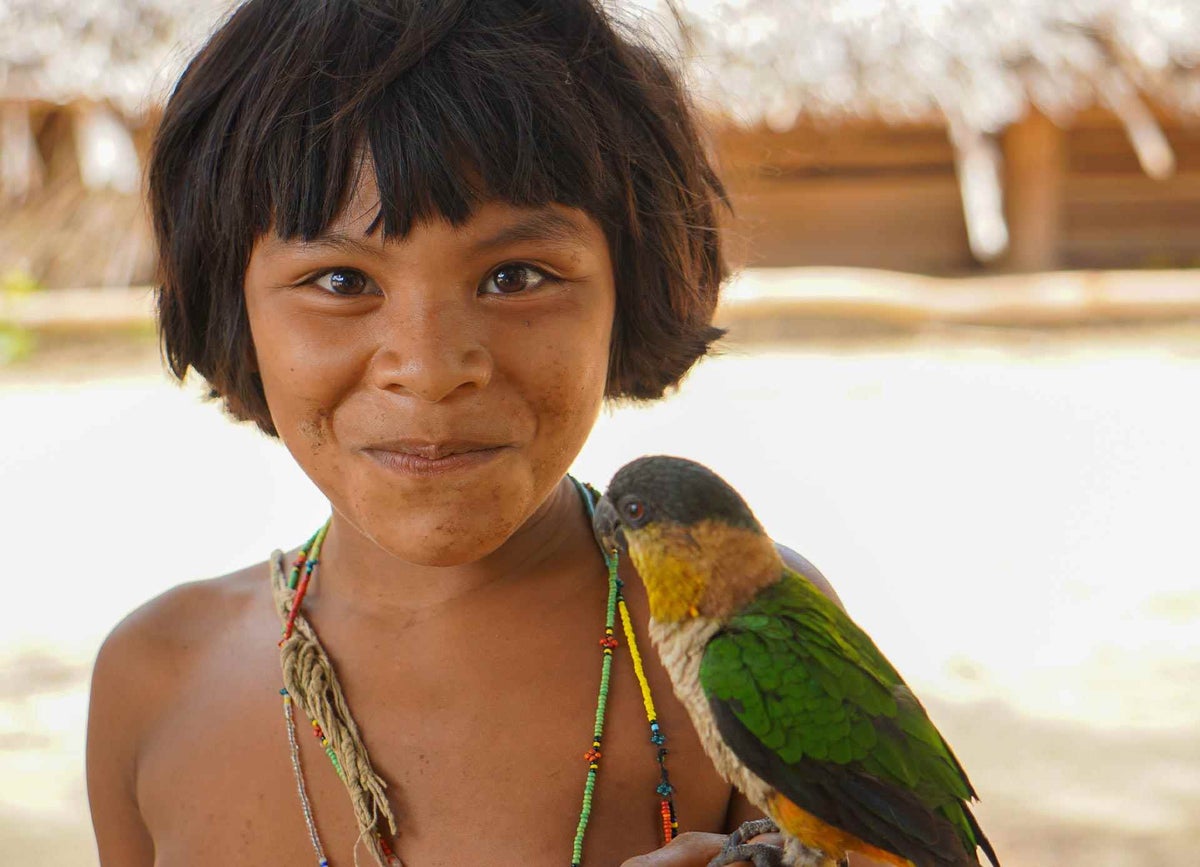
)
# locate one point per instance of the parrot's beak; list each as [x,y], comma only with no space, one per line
[607,526]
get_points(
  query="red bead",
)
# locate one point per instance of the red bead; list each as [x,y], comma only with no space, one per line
[592,755]
[608,641]
[383,844]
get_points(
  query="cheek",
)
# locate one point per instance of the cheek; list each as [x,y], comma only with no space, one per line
[564,383]
[305,374]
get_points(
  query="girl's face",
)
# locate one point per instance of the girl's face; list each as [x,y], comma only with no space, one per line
[437,388]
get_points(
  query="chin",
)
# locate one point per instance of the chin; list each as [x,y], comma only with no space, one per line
[435,540]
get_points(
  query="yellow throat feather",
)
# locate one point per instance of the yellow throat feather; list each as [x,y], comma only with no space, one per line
[708,568]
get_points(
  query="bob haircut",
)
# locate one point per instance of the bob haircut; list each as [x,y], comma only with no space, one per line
[452,102]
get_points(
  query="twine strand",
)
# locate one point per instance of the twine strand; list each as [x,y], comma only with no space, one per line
[309,677]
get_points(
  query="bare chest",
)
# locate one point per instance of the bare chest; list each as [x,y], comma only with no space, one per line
[480,733]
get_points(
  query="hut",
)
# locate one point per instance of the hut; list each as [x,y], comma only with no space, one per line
[80,86]
[946,136]
[935,136]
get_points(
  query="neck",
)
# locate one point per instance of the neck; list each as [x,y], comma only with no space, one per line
[357,577]
[707,569]
[743,562]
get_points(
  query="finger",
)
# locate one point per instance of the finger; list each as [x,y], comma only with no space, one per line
[695,849]
[688,849]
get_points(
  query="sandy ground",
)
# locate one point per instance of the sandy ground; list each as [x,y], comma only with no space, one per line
[1007,512]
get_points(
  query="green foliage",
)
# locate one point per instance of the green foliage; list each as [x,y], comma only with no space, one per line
[16,342]
[18,282]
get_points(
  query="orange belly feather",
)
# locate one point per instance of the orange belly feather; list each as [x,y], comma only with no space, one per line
[834,842]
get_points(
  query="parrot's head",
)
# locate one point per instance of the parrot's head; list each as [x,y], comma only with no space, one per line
[693,540]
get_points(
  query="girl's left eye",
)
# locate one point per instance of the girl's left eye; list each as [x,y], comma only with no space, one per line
[344,281]
[513,279]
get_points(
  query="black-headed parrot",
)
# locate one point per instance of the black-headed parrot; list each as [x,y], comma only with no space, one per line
[793,702]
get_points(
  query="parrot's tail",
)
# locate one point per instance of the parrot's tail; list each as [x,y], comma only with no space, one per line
[984,843]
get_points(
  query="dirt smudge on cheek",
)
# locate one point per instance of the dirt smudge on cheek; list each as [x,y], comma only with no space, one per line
[315,429]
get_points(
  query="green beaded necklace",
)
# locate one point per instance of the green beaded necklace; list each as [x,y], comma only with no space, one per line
[309,681]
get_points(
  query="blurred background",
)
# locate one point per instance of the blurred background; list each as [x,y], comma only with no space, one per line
[961,378]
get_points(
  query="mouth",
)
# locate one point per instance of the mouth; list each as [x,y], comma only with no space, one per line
[426,458]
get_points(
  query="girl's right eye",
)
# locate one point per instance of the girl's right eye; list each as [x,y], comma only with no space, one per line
[343,281]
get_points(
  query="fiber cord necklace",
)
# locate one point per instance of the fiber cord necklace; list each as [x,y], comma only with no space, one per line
[311,684]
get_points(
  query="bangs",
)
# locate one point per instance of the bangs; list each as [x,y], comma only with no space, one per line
[483,110]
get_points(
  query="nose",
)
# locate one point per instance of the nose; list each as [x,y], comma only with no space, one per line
[430,353]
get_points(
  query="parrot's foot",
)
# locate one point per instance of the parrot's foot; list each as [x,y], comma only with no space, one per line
[751,829]
[758,854]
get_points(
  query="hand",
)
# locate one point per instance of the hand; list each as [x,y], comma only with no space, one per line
[694,849]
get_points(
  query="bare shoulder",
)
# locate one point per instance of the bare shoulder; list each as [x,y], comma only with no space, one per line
[801,564]
[141,667]
[145,658]
[161,633]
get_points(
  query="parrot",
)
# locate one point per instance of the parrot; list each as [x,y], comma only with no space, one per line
[792,701]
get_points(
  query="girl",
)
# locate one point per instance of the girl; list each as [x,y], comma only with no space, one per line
[420,242]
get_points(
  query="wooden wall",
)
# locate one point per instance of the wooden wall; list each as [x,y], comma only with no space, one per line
[1114,215]
[868,195]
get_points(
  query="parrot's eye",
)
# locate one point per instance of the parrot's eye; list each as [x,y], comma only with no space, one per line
[635,510]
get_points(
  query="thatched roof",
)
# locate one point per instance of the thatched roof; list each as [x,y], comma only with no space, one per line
[979,62]
[123,52]
[974,65]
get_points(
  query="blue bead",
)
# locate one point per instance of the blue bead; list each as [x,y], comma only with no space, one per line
[665,789]
[656,738]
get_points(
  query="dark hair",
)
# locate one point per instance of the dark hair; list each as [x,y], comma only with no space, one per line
[454,101]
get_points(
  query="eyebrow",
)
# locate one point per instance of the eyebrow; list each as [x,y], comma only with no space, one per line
[542,225]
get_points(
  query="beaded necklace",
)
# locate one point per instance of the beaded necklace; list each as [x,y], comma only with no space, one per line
[310,682]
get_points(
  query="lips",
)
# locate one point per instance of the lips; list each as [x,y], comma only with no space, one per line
[425,458]
[433,450]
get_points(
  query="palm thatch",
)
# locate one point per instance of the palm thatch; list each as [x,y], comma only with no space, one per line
[120,52]
[977,62]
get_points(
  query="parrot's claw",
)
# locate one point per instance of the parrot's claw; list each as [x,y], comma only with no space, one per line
[758,854]
[751,829]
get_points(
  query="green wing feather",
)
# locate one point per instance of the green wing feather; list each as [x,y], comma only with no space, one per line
[807,683]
